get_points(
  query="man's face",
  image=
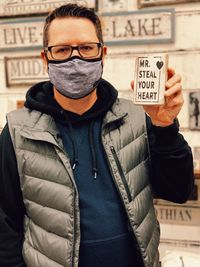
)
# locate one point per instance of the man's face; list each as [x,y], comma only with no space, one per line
[71,31]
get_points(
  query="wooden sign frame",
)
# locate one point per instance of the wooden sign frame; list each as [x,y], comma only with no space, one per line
[139,27]
[151,3]
[21,8]
[30,70]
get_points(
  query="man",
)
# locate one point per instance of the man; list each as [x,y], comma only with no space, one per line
[79,166]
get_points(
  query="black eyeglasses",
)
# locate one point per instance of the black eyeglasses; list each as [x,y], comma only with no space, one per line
[62,52]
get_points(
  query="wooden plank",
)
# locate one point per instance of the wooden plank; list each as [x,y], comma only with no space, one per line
[9,8]
[147,3]
[149,26]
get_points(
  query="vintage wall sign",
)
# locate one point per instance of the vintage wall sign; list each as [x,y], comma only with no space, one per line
[146,26]
[146,3]
[194,110]
[21,33]
[184,215]
[9,8]
[150,79]
[24,70]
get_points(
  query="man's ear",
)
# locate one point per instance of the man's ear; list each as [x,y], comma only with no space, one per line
[104,53]
[44,59]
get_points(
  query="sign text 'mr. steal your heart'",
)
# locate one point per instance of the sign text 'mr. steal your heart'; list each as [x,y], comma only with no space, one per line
[150,79]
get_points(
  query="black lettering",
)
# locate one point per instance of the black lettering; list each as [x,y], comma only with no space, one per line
[32,31]
[144,63]
[36,67]
[9,36]
[26,68]
[150,96]
[155,26]
[21,36]
[140,74]
[152,84]
[129,29]
[15,69]
[188,214]
[142,27]
[114,30]
[146,84]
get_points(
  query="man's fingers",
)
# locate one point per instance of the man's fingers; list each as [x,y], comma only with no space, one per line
[170,72]
[176,88]
[176,78]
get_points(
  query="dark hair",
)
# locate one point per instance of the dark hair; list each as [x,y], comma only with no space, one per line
[72,10]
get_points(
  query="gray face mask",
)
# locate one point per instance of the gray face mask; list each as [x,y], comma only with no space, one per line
[76,77]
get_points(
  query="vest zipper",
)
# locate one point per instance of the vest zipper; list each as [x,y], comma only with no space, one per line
[73,245]
[121,173]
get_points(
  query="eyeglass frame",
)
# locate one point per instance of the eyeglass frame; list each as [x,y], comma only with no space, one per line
[48,49]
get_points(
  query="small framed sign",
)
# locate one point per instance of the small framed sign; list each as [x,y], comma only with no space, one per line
[24,70]
[194,110]
[19,8]
[150,79]
[139,27]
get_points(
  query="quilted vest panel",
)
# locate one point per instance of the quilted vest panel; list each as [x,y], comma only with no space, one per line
[128,153]
[47,189]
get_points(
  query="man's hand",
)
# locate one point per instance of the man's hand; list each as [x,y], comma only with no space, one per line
[164,115]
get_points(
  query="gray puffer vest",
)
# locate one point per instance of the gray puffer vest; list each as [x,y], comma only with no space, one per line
[52,223]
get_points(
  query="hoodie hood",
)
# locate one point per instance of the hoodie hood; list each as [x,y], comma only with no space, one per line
[40,97]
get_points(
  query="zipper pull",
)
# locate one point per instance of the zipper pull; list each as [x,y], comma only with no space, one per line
[74,164]
[95,171]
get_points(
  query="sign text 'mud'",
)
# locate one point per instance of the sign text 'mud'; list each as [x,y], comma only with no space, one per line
[24,70]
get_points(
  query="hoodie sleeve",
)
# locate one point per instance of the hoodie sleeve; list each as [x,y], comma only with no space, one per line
[11,206]
[171,162]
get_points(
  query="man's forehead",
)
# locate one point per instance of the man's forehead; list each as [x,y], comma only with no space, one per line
[73,29]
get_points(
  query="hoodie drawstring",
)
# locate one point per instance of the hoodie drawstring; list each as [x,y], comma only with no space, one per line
[74,160]
[93,152]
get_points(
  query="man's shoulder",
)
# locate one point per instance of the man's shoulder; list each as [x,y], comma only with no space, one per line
[22,114]
[24,117]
